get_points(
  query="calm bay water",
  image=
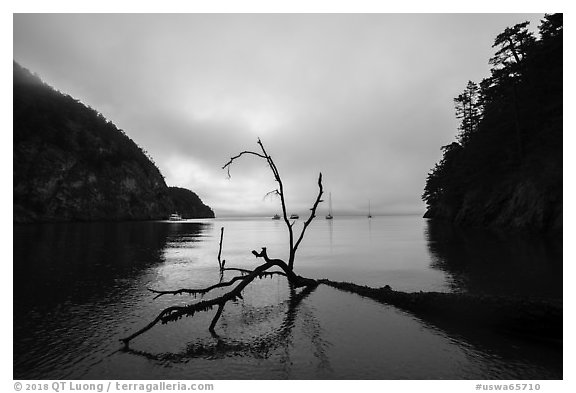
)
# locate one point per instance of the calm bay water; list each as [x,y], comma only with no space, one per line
[79,288]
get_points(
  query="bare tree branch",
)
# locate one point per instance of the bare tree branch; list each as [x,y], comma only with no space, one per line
[286,269]
[294,279]
[216,317]
[200,291]
[312,213]
[176,312]
[278,179]
[273,192]
[220,264]
[203,291]
[227,165]
[259,345]
[247,271]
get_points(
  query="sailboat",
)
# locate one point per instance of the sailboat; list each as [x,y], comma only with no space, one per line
[369,214]
[329,216]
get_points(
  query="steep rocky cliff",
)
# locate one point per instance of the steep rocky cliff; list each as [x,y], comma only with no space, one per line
[519,205]
[70,163]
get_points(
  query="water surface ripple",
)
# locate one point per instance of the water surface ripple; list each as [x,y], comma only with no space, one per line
[80,287]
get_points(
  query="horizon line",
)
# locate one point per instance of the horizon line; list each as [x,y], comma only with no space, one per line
[318,216]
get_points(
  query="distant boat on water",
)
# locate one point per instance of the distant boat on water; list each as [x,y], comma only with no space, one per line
[369,214]
[175,217]
[276,217]
[294,216]
[329,216]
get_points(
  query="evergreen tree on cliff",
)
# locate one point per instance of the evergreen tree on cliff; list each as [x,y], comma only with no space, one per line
[506,168]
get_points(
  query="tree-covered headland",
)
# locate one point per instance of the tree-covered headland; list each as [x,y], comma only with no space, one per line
[505,168]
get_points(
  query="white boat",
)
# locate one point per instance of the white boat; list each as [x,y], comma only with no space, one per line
[329,216]
[175,217]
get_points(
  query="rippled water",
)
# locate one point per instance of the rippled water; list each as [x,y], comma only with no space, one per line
[80,287]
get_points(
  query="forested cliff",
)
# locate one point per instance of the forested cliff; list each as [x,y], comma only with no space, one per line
[505,168]
[70,163]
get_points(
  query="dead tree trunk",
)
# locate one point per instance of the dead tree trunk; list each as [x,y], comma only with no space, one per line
[246,276]
[280,192]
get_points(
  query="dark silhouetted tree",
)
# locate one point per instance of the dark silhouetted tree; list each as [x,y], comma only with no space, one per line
[510,124]
[513,45]
[468,107]
[551,27]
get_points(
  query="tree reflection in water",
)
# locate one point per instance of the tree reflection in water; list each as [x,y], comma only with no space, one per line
[489,262]
[263,346]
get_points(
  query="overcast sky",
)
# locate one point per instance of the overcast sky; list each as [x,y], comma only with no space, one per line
[364,98]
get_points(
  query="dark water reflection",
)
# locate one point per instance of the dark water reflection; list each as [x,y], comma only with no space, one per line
[78,288]
[260,346]
[481,261]
[71,280]
[76,261]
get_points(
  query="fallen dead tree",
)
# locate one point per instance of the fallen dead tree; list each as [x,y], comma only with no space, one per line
[534,318]
[174,313]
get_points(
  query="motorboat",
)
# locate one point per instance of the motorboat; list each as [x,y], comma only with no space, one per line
[175,217]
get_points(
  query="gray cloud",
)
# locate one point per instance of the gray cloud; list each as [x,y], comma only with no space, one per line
[366,99]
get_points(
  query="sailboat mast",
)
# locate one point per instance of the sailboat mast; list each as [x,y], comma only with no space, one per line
[329,216]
